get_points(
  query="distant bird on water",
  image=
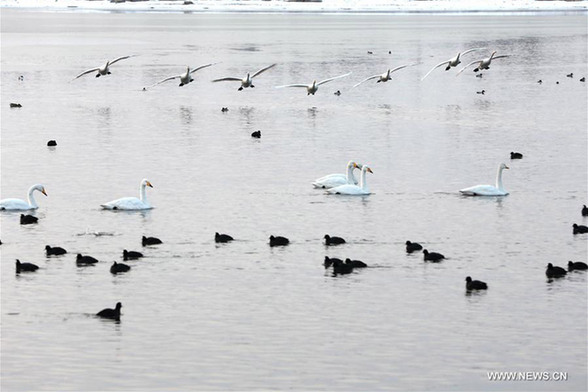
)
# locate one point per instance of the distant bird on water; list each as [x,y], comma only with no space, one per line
[28,219]
[475,284]
[488,190]
[131,203]
[25,267]
[117,268]
[413,246]
[51,143]
[355,263]
[278,241]
[54,251]
[131,255]
[584,210]
[312,88]
[577,266]
[432,256]
[21,205]
[113,314]
[256,134]
[516,155]
[330,260]
[554,272]
[580,229]
[145,241]
[85,260]
[452,62]
[247,81]
[185,78]
[222,238]
[103,70]
[333,240]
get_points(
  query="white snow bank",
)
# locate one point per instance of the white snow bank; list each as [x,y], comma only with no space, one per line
[308,6]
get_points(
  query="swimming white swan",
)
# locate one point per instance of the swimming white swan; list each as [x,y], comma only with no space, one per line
[18,204]
[131,203]
[452,62]
[313,87]
[185,78]
[105,69]
[483,63]
[385,76]
[351,189]
[247,81]
[333,180]
[488,190]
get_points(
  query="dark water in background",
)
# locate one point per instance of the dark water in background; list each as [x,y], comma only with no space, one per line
[197,316]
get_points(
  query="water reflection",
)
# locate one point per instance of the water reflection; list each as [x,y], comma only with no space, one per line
[186,115]
[247,114]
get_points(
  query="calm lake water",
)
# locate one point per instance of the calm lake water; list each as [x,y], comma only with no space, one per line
[244,316]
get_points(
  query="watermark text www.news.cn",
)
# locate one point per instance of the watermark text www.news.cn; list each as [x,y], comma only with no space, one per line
[527,376]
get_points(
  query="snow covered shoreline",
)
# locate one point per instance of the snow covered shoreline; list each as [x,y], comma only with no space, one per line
[283,6]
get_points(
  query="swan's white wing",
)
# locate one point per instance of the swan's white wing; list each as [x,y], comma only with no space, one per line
[435,67]
[333,78]
[470,64]
[87,72]
[202,66]
[471,50]
[330,181]
[119,59]
[403,66]
[165,80]
[499,57]
[15,204]
[482,190]
[126,203]
[228,79]
[262,70]
[365,80]
[348,189]
[292,85]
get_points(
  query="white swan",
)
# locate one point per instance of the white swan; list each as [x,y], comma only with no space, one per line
[483,63]
[313,87]
[247,81]
[333,180]
[351,189]
[131,203]
[105,69]
[185,78]
[488,190]
[385,76]
[452,62]
[21,205]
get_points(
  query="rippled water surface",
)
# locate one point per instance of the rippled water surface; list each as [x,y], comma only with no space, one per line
[244,316]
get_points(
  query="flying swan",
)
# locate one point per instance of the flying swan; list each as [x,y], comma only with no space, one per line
[452,62]
[105,69]
[488,190]
[21,205]
[483,63]
[385,76]
[351,189]
[247,81]
[333,180]
[313,87]
[185,78]
[131,203]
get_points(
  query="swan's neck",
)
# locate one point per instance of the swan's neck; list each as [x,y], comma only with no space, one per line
[363,179]
[31,198]
[350,176]
[143,193]
[499,179]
